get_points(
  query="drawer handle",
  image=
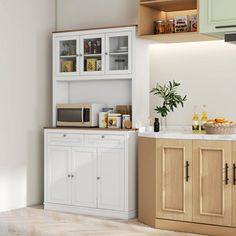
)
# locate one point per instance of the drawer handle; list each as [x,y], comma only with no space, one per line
[72,176]
[103,136]
[98,178]
[64,135]
[69,176]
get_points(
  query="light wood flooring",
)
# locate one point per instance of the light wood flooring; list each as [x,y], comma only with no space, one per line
[39,222]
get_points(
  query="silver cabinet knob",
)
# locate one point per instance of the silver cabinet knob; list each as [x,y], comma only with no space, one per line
[64,135]
[72,176]
[68,176]
[103,136]
[98,178]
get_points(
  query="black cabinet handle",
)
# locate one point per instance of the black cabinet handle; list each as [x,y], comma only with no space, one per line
[187,171]
[226,173]
[234,174]
[225,26]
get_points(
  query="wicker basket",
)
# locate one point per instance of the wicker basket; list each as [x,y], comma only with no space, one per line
[220,128]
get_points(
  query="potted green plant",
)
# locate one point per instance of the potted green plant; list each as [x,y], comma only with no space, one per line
[171,99]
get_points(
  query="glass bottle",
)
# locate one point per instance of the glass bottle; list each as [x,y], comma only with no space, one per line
[203,119]
[195,122]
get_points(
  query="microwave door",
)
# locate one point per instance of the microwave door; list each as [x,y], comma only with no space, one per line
[70,115]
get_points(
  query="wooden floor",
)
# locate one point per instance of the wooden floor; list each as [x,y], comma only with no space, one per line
[39,222]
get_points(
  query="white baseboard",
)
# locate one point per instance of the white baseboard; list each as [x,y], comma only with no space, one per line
[124,215]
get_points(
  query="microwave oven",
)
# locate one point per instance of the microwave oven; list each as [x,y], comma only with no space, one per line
[78,115]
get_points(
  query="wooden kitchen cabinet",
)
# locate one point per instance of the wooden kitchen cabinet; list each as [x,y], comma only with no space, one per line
[206,203]
[216,16]
[212,188]
[234,183]
[174,179]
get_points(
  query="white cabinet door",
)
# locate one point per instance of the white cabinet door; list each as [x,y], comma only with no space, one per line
[58,175]
[111,174]
[217,16]
[92,54]
[66,56]
[84,177]
[118,53]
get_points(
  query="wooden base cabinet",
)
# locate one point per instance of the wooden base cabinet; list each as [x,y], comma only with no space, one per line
[91,173]
[174,179]
[188,185]
[212,190]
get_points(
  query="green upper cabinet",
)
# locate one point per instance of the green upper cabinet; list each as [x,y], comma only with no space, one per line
[217,16]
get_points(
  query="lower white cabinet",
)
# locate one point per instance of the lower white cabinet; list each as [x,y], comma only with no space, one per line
[91,178]
[84,177]
[111,172]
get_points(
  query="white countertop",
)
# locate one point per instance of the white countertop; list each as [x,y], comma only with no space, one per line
[185,133]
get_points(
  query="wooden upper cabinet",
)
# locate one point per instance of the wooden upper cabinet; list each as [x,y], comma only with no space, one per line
[217,16]
[153,10]
[212,189]
[174,179]
[234,183]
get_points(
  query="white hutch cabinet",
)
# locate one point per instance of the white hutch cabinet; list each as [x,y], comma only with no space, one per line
[93,171]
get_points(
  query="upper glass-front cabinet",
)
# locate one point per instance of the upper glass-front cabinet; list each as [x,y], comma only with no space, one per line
[92,54]
[67,56]
[118,53]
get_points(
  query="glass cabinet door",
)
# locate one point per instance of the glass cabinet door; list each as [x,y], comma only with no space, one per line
[118,53]
[67,56]
[92,54]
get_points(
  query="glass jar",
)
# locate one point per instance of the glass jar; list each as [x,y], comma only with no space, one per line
[170,26]
[160,26]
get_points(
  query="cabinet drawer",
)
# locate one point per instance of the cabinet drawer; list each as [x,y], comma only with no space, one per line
[65,139]
[114,141]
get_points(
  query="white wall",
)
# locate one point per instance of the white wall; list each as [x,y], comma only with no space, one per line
[76,14]
[25,98]
[207,72]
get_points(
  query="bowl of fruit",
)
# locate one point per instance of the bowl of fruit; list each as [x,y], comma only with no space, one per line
[220,126]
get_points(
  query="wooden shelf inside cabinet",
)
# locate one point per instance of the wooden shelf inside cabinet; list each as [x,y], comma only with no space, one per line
[170,5]
[178,37]
[152,10]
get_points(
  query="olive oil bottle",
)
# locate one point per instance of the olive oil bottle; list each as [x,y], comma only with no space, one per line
[195,122]
[203,119]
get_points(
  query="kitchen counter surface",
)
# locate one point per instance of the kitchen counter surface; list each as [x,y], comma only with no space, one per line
[185,134]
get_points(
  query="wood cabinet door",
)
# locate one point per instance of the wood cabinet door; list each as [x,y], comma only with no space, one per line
[111,178]
[57,176]
[212,192]
[174,179]
[234,183]
[84,177]
[217,16]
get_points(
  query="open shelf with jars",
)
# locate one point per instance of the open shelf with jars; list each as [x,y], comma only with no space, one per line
[169,21]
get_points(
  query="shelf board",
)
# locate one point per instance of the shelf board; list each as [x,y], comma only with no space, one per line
[178,37]
[69,56]
[94,78]
[170,5]
[93,55]
[118,53]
